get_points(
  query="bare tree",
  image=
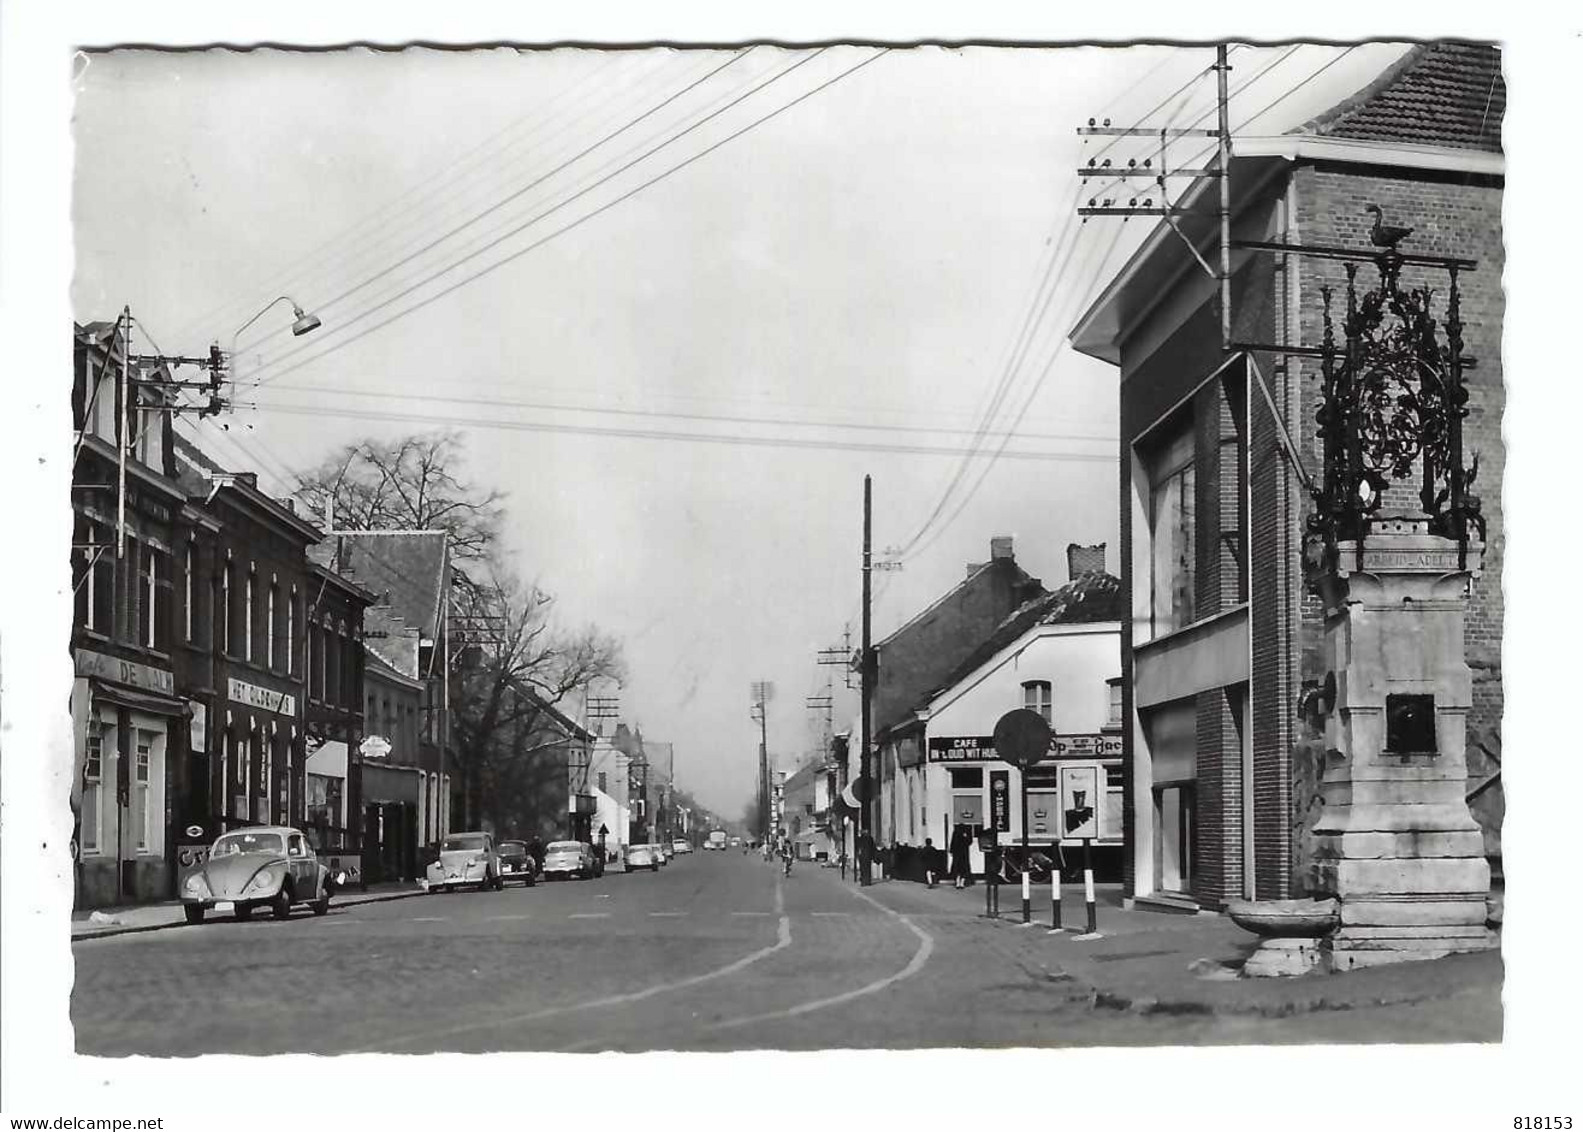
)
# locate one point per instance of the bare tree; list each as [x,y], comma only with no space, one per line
[515,670]
[411,483]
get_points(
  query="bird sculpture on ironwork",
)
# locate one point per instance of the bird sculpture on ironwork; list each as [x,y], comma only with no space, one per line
[1384,235]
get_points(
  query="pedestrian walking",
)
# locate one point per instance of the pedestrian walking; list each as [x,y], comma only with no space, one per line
[930,875]
[961,843]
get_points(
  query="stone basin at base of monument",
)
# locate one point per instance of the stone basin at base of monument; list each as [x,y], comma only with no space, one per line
[1286,919]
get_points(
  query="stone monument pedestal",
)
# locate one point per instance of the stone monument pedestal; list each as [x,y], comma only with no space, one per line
[1397,844]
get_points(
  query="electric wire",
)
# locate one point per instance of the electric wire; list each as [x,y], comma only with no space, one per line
[660,434]
[570,226]
[1061,346]
[293,273]
[713,418]
[526,188]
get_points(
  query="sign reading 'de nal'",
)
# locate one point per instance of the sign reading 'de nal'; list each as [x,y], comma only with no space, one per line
[981,748]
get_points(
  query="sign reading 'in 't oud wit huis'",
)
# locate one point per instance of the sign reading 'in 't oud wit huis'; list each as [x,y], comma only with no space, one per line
[281,703]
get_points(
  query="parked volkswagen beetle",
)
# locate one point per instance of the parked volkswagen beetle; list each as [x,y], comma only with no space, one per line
[265,867]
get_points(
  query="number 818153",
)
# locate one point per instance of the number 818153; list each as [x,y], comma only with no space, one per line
[1542,1123]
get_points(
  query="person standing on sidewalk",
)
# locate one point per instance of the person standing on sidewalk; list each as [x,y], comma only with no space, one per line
[930,865]
[961,842]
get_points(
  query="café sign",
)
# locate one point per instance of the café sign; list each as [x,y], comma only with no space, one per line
[126,672]
[981,748]
[281,703]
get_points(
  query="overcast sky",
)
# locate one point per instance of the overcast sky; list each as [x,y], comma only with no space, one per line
[851,275]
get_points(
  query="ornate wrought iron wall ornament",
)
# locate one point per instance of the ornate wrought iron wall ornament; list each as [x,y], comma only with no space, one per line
[1392,402]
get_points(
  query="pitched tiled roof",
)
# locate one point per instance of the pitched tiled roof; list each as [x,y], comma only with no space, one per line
[1443,94]
[1088,598]
[409,566]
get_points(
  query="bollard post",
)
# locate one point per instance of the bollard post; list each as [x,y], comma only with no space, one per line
[1088,891]
[1055,893]
[1027,901]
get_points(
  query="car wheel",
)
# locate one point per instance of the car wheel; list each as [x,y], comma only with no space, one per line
[194,913]
[280,907]
[500,883]
[244,911]
[321,906]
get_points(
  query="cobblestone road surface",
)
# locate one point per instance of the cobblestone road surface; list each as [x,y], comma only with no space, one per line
[715,952]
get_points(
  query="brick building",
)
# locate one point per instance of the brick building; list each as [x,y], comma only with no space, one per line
[915,659]
[130,714]
[1220,641]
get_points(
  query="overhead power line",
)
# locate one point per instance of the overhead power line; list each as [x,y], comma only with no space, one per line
[708,418]
[380,221]
[659,434]
[511,257]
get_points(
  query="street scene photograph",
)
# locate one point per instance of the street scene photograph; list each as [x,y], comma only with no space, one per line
[722,547]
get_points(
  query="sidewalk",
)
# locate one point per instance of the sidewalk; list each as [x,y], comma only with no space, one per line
[97,923]
[1152,962]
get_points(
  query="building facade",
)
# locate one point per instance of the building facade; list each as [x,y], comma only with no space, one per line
[1220,643]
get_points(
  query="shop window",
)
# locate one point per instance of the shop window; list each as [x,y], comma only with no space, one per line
[1114,779]
[244,775]
[967,778]
[92,790]
[1036,697]
[1172,532]
[1113,717]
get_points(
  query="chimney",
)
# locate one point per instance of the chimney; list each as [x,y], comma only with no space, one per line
[1000,547]
[1082,560]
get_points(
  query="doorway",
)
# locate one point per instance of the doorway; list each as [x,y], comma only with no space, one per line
[1176,834]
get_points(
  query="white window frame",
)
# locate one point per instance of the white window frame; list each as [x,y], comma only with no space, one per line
[291,633]
[142,782]
[1172,469]
[1039,696]
[151,597]
[192,568]
[226,613]
[93,786]
[247,623]
[269,616]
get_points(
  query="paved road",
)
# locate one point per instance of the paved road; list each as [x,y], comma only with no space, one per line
[715,952]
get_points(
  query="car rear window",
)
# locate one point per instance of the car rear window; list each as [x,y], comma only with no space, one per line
[465,841]
[565,846]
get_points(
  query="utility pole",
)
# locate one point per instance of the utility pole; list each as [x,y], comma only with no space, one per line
[1222,76]
[763,691]
[865,783]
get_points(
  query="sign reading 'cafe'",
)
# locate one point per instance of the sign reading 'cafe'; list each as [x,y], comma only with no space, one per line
[981,748]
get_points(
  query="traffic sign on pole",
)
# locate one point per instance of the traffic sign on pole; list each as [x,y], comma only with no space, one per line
[1022,738]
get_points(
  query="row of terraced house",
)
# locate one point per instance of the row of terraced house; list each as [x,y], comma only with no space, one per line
[237,662]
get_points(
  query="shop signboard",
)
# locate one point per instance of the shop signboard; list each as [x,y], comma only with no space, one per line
[1079,802]
[130,673]
[1000,800]
[981,748]
[281,703]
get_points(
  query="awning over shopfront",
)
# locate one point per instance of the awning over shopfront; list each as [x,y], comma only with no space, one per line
[151,702]
[391,784]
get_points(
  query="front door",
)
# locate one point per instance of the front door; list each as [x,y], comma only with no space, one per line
[1175,822]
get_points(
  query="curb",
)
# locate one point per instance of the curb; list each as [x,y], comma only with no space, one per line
[1316,1003]
[136,929]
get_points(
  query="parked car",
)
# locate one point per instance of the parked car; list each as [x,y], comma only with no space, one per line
[466,858]
[516,863]
[641,857]
[682,846]
[572,859]
[270,867]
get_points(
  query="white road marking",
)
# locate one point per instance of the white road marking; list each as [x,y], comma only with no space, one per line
[672,914]
[832,913]
[914,965]
[589,916]
[505,917]
[750,913]
[427,920]
[782,941]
